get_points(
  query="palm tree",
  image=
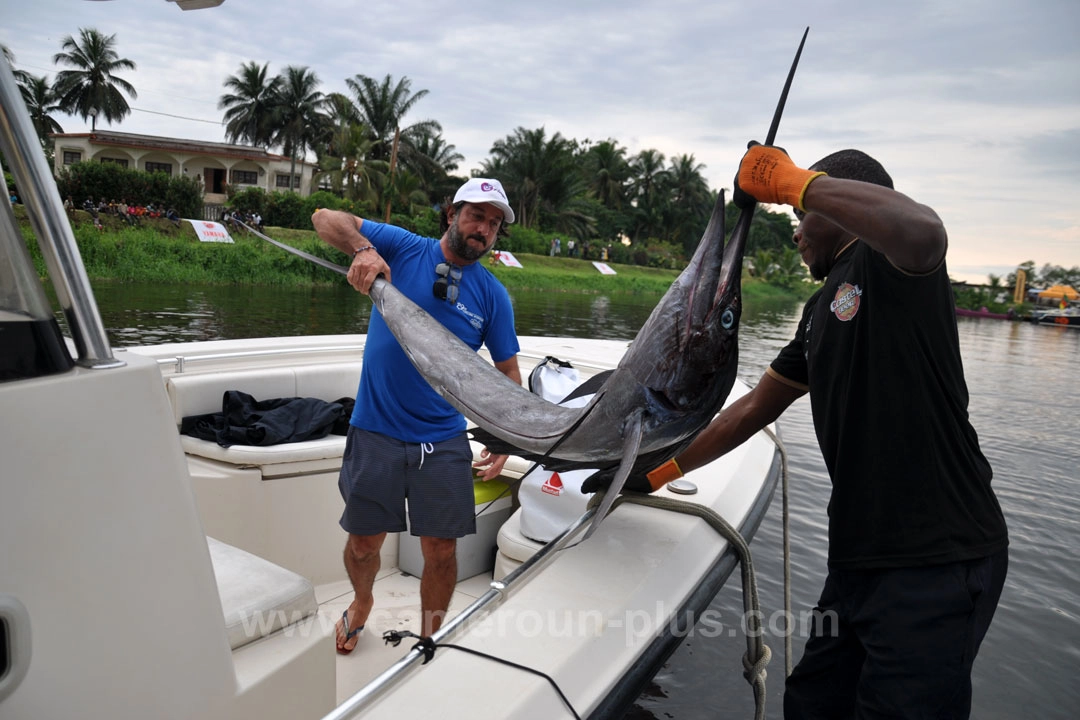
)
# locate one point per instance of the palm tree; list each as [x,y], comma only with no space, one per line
[540,175]
[298,115]
[606,173]
[341,113]
[648,178]
[647,175]
[40,101]
[250,104]
[434,161]
[92,89]
[383,106]
[346,164]
[691,201]
[20,75]
[405,192]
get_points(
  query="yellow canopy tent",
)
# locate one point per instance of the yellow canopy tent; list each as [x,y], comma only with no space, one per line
[1057,292]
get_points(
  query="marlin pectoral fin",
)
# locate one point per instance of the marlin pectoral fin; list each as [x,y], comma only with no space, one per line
[631,443]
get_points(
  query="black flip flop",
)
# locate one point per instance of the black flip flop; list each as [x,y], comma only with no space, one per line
[349,634]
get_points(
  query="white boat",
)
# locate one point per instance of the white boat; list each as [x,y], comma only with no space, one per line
[150,574]
[1066,316]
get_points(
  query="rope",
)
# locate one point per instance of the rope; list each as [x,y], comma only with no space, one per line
[426,646]
[757,654]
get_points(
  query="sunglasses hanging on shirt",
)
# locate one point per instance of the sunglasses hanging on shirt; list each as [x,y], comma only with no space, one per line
[447,286]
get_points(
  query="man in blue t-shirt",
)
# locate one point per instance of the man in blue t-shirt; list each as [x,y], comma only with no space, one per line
[406,441]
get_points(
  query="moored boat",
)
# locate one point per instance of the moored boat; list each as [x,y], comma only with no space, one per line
[1066,317]
[984,313]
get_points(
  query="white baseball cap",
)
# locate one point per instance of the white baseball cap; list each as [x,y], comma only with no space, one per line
[486,190]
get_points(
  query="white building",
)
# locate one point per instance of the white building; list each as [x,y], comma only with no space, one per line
[213,164]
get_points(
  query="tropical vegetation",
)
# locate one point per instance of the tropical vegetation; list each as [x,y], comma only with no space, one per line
[109,182]
[156,251]
[378,156]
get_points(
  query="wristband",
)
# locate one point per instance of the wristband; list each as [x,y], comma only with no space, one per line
[664,474]
[802,193]
[357,251]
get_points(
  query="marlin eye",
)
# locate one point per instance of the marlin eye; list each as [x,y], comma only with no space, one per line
[727,319]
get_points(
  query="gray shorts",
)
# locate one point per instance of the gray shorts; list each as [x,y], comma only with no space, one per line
[378,474]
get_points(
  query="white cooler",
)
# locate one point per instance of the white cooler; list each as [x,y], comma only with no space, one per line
[475,553]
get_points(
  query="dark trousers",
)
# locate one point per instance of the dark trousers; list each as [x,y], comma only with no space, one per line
[896,643]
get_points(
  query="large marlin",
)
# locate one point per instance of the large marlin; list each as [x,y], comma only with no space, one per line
[666,388]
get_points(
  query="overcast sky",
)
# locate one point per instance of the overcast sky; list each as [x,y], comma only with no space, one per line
[972,105]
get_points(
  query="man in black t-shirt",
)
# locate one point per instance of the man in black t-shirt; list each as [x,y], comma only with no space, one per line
[917,540]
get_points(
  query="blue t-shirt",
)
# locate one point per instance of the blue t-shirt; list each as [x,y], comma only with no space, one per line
[393,398]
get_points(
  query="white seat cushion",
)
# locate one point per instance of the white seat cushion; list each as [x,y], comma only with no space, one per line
[328,382]
[200,394]
[329,447]
[257,596]
[512,543]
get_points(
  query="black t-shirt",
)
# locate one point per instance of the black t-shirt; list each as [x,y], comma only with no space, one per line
[879,351]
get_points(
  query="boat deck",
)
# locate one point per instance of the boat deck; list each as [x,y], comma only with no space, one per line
[397,607]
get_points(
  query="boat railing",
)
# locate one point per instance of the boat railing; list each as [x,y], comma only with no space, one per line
[180,363]
[500,591]
[37,188]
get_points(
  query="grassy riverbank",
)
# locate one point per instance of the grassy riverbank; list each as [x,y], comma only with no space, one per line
[159,252]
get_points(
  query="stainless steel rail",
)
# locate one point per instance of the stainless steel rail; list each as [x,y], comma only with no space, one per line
[22,152]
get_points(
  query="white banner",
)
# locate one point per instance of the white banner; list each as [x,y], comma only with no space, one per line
[506,258]
[603,268]
[210,231]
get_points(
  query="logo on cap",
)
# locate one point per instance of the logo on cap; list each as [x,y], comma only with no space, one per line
[488,187]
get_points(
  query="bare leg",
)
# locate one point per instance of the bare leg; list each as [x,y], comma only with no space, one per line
[361,563]
[437,582]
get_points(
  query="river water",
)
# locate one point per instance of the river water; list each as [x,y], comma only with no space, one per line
[1025,400]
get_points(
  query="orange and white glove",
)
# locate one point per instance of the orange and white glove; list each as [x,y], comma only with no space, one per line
[767,174]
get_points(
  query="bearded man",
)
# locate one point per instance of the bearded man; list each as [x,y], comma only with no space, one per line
[404,440]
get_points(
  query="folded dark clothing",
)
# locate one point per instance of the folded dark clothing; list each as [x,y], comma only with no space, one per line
[247,421]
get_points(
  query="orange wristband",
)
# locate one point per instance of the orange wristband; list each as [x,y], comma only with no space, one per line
[664,474]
